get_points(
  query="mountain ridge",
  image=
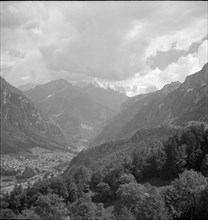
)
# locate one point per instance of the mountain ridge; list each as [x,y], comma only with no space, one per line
[160,108]
[78,114]
[24,125]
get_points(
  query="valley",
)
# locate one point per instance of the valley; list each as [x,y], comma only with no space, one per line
[46,126]
[80,111]
[42,161]
[76,146]
[39,158]
[104,110]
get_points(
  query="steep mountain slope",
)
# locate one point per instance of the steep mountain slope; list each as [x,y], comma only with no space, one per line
[129,109]
[23,125]
[172,105]
[78,115]
[148,97]
[187,103]
[106,97]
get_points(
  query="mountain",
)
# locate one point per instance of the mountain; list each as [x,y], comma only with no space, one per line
[102,85]
[175,104]
[24,126]
[26,86]
[129,110]
[187,103]
[78,115]
[144,99]
[107,97]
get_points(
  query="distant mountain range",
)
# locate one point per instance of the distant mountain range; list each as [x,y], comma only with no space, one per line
[80,111]
[58,114]
[148,118]
[24,126]
[108,97]
[174,104]
[102,85]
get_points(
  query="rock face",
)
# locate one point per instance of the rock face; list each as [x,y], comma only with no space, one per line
[174,104]
[79,115]
[190,101]
[23,125]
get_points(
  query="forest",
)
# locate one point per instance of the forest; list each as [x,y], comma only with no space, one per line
[157,179]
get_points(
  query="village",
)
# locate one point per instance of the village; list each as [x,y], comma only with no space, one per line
[39,159]
[44,162]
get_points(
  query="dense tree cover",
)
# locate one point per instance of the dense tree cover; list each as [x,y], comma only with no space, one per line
[81,193]
[202,206]
[183,195]
[142,202]
[123,213]
[84,208]
[187,150]
[149,160]
[50,206]
[27,173]
[5,172]
[204,166]
[28,214]
[7,214]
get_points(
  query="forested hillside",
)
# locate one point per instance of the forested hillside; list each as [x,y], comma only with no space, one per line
[177,168]
[113,151]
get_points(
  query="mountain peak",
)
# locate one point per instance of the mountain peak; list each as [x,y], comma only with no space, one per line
[58,82]
[197,79]
[170,87]
[205,67]
[24,125]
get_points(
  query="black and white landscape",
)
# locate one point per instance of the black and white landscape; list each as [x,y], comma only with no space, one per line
[104,110]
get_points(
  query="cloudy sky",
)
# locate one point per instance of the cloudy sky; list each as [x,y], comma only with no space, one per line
[140,46]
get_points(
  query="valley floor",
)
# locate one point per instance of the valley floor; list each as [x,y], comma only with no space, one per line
[43,161]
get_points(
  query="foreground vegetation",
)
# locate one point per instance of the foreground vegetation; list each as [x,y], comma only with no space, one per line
[179,164]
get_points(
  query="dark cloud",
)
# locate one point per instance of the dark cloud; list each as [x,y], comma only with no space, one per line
[163,59]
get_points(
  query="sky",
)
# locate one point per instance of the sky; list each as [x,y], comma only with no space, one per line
[135,46]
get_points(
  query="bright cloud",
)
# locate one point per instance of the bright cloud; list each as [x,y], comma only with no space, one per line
[106,41]
[177,71]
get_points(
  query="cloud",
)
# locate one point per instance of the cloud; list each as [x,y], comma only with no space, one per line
[112,41]
[176,71]
[178,40]
[109,41]
[31,68]
[21,15]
